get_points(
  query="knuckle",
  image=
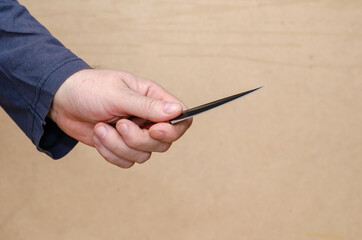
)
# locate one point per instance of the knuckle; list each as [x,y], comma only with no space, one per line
[136,142]
[126,75]
[149,104]
[125,164]
[111,160]
[165,147]
[174,136]
[133,141]
[119,162]
[130,75]
[144,157]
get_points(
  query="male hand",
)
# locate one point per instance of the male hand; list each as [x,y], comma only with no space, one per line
[91,102]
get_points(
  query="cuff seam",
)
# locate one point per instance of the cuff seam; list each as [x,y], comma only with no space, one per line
[39,87]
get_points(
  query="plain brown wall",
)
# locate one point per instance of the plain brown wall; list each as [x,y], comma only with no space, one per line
[283,163]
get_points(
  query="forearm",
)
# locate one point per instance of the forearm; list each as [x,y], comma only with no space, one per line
[33,65]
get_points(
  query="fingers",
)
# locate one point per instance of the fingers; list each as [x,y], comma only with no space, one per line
[151,108]
[149,88]
[166,132]
[156,91]
[112,147]
[138,138]
[162,131]
[110,156]
[150,101]
[126,144]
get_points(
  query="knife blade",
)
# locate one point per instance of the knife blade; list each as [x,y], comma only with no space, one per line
[203,108]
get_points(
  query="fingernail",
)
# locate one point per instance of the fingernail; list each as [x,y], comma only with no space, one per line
[157,134]
[171,107]
[101,132]
[123,128]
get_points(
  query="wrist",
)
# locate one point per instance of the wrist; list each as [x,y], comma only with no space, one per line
[65,96]
[60,98]
[52,113]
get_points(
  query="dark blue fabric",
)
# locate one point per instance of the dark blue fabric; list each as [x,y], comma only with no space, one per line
[33,65]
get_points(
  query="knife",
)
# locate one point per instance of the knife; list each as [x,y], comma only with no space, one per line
[203,108]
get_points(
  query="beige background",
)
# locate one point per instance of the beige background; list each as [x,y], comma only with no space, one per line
[283,163]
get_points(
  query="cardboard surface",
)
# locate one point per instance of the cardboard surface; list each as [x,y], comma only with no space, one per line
[283,163]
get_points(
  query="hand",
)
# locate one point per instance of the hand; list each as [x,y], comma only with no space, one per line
[104,109]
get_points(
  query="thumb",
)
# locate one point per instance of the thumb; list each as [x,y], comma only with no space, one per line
[151,108]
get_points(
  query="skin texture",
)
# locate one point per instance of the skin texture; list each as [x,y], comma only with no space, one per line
[104,109]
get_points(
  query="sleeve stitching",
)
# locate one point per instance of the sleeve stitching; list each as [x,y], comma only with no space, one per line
[40,85]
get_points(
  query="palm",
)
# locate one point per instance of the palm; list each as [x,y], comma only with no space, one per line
[87,101]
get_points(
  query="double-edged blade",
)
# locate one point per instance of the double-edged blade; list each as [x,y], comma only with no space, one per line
[203,108]
[208,106]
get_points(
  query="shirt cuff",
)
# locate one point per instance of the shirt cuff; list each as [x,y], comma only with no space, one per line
[45,133]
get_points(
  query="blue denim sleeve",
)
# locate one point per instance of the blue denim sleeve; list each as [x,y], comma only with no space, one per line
[33,65]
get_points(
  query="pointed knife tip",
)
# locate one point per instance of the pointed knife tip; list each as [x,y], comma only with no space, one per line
[258,88]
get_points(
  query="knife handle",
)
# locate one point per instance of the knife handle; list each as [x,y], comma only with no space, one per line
[149,124]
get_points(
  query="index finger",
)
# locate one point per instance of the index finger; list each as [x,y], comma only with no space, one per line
[154,90]
[166,132]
